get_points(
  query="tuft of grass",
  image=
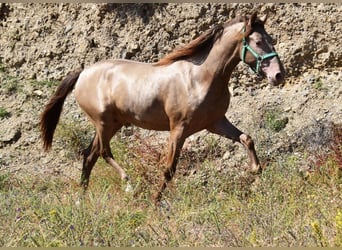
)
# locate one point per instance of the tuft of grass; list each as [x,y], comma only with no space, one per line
[2,68]
[11,85]
[318,84]
[274,121]
[44,83]
[4,113]
[4,180]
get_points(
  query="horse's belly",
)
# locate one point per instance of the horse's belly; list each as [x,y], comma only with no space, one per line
[151,117]
[160,126]
[151,123]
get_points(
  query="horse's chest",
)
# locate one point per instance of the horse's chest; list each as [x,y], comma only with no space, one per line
[208,109]
[212,103]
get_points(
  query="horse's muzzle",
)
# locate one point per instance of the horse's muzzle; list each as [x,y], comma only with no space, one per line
[274,71]
[276,79]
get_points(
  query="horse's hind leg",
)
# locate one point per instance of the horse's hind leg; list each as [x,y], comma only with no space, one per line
[90,156]
[105,135]
[225,128]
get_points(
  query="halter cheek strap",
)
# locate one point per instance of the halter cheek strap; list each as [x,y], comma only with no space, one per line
[259,58]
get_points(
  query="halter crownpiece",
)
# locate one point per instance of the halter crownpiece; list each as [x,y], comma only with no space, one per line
[259,58]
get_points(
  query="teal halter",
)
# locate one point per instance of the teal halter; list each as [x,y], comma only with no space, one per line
[259,58]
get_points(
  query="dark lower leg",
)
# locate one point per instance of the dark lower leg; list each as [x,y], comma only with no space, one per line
[90,156]
[168,175]
[175,146]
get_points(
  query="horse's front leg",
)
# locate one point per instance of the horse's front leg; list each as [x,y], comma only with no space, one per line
[224,128]
[176,142]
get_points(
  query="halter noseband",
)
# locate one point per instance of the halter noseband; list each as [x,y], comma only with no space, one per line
[259,58]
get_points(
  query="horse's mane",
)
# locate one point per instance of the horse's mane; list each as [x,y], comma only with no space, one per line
[201,43]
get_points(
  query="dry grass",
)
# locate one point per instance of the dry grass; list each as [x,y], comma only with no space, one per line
[204,207]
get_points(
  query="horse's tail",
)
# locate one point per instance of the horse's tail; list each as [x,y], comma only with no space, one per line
[52,112]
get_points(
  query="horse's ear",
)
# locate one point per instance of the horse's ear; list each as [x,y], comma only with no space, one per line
[252,19]
[263,18]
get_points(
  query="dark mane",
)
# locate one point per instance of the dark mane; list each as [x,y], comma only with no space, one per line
[201,43]
[204,42]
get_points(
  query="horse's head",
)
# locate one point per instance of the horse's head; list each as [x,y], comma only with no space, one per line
[258,52]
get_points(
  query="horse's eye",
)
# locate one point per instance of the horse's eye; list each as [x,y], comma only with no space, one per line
[258,43]
[274,41]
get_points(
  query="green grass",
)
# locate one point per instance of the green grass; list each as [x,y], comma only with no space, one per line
[274,121]
[44,83]
[202,208]
[318,84]
[2,68]
[4,113]
[11,85]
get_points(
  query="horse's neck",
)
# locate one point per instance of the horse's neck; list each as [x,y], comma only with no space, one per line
[223,58]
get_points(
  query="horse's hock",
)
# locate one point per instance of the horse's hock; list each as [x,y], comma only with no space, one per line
[45,41]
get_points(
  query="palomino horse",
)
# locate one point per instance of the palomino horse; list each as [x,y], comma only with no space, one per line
[185,92]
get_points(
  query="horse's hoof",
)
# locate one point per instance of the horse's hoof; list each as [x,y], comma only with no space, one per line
[125,178]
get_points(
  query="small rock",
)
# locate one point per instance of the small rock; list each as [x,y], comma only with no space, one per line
[68,28]
[38,92]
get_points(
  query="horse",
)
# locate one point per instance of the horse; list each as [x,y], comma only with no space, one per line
[184,92]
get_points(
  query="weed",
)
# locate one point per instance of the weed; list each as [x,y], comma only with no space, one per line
[2,68]
[273,120]
[206,207]
[4,113]
[318,84]
[4,179]
[11,85]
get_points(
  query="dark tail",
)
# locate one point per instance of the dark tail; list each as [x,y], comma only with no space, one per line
[53,109]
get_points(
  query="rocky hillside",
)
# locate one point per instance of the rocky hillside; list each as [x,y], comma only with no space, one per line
[42,42]
[45,41]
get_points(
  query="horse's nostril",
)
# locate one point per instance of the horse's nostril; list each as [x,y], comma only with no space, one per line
[279,77]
